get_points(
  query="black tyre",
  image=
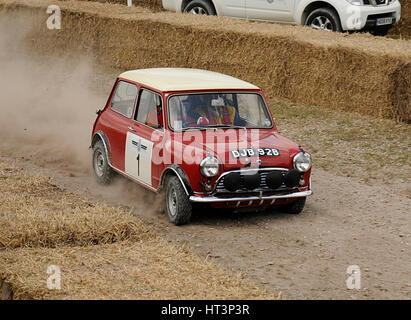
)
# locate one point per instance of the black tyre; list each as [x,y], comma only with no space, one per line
[296,207]
[381,32]
[200,7]
[324,19]
[178,205]
[102,170]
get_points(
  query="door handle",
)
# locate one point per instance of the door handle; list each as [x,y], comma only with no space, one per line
[131,129]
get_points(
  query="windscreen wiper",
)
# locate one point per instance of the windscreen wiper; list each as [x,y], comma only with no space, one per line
[195,128]
[225,126]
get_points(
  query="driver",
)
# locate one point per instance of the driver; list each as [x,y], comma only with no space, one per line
[210,109]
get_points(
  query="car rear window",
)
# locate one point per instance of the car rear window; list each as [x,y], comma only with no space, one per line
[124,98]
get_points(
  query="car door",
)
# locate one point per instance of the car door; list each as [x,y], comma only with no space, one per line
[142,137]
[233,8]
[115,121]
[272,10]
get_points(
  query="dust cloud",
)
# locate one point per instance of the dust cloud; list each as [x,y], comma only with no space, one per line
[47,108]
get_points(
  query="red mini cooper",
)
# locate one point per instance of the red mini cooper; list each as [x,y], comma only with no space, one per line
[203,137]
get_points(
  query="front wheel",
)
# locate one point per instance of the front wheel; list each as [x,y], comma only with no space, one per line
[324,19]
[200,7]
[179,207]
[296,207]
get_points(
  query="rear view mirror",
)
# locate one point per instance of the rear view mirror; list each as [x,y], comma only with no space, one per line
[217,102]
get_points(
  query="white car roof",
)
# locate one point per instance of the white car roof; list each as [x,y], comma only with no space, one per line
[179,79]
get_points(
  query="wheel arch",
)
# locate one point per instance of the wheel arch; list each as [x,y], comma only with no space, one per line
[176,170]
[100,136]
[307,8]
[211,2]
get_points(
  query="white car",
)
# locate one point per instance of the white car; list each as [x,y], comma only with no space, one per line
[375,16]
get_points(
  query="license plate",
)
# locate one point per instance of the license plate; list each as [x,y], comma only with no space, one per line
[384,21]
[255,152]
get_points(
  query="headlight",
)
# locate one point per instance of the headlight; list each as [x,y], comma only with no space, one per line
[302,162]
[209,167]
[356,2]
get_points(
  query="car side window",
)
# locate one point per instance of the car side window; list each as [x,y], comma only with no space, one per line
[147,110]
[124,98]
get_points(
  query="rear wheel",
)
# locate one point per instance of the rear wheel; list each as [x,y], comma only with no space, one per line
[324,19]
[102,170]
[200,7]
[296,207]
[178,205]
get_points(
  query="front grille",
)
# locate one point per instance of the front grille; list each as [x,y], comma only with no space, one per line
[381,15]
[377,2]
[220,188]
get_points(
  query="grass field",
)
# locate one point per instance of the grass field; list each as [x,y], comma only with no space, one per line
[349,144]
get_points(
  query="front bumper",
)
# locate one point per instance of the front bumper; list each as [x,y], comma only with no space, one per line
[355,18]
[214,199]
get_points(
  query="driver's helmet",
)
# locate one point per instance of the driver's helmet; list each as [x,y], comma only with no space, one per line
[193,103]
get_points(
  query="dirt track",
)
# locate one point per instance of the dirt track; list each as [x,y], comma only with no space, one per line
[346,222]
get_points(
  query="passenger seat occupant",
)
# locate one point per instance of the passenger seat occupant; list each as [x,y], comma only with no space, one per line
[210,110]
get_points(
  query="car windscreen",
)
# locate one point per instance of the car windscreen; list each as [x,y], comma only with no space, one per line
[214,110]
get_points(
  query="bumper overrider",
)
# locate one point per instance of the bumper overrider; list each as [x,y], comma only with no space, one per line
[256,187]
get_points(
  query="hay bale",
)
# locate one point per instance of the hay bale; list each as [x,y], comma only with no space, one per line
[150,269]
[102,252]
[357,72]
[34,213]
[153,5]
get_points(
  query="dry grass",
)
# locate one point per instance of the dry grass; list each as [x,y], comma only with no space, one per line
[403,28]
[368,75]
[103,252]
